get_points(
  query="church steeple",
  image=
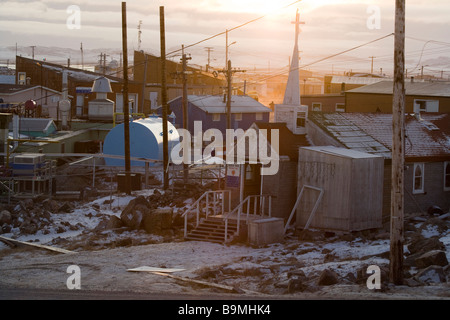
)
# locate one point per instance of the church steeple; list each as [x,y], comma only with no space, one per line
[292,93]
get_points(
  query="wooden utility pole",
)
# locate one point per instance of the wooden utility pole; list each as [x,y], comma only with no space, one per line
[164,98]
[398,156]
[371,68]
[229,80]
[82,56]
[144,81]
[185,109]
[125,101]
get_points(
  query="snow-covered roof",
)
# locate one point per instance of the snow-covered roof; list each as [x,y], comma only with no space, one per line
[216,104]
[355,80]
[427,135]
[415,88]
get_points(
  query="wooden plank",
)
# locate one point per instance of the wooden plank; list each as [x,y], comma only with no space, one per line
[153,269]
[40,246]
[209,284]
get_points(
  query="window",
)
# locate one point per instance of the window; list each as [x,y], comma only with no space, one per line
[249,174]
[216,117]
[447,176]
[418,182]
[301,119]
[22,78]
[259,116]
[340,107]
[316,106]
[426,105]
[238,117]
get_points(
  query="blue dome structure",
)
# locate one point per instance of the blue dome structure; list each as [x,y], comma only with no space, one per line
[146,141]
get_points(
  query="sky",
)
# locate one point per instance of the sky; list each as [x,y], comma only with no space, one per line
[331,26]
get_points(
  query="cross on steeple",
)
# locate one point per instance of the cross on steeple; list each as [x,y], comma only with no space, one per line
[297,23]
[292,93]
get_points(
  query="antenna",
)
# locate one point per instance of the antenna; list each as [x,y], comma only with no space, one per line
[139,35]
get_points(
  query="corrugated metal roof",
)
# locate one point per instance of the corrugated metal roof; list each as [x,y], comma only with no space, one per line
[342,152]
[437,89]
[354,80]
[428,136]
[216,104]
[348,133]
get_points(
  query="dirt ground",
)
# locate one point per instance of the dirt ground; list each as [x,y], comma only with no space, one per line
[291,269]
[262,271]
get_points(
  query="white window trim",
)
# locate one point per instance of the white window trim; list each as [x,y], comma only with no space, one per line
[259,116]
[317,103]
[238,117]
[429,104]
[422,167]
[216,117]
[446,163]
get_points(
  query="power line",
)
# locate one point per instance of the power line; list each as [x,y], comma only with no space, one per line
[231,29]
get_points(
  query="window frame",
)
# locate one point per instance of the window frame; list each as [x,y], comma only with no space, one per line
[216,117]
[301,115]
[420,190]
[319,104]
[238,116]
[341,107]
[446,175]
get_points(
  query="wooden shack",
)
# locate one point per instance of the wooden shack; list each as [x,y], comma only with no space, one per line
[342,189]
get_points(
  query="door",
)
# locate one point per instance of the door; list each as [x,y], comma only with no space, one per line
[252,185]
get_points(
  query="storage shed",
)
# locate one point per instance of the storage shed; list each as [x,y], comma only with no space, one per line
[146,141]
[351,183]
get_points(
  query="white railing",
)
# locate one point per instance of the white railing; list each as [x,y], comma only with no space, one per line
[212,198]
[258,206]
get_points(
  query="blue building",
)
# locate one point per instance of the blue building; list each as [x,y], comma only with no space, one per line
[211,110]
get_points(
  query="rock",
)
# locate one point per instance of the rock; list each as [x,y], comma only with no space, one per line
[411,282]
[27,204]
[434,257]
[66,208]
[296,285]
[423,245]
[133,214]
[157,221]
[5,217]
[134,217]
[327,278]
[432,274]
[114,223]
[51,205]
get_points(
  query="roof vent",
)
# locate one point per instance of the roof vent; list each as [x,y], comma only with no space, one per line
[101,85]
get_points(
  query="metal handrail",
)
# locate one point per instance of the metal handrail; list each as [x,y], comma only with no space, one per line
[240,206]
[196,205]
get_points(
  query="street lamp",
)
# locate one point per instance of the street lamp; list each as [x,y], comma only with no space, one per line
[226,49]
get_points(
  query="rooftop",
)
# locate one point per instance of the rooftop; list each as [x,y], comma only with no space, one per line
[216,104]
[426,136]
[436,89]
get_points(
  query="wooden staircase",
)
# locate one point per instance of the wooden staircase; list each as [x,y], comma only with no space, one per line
[212,229]
[215,221]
